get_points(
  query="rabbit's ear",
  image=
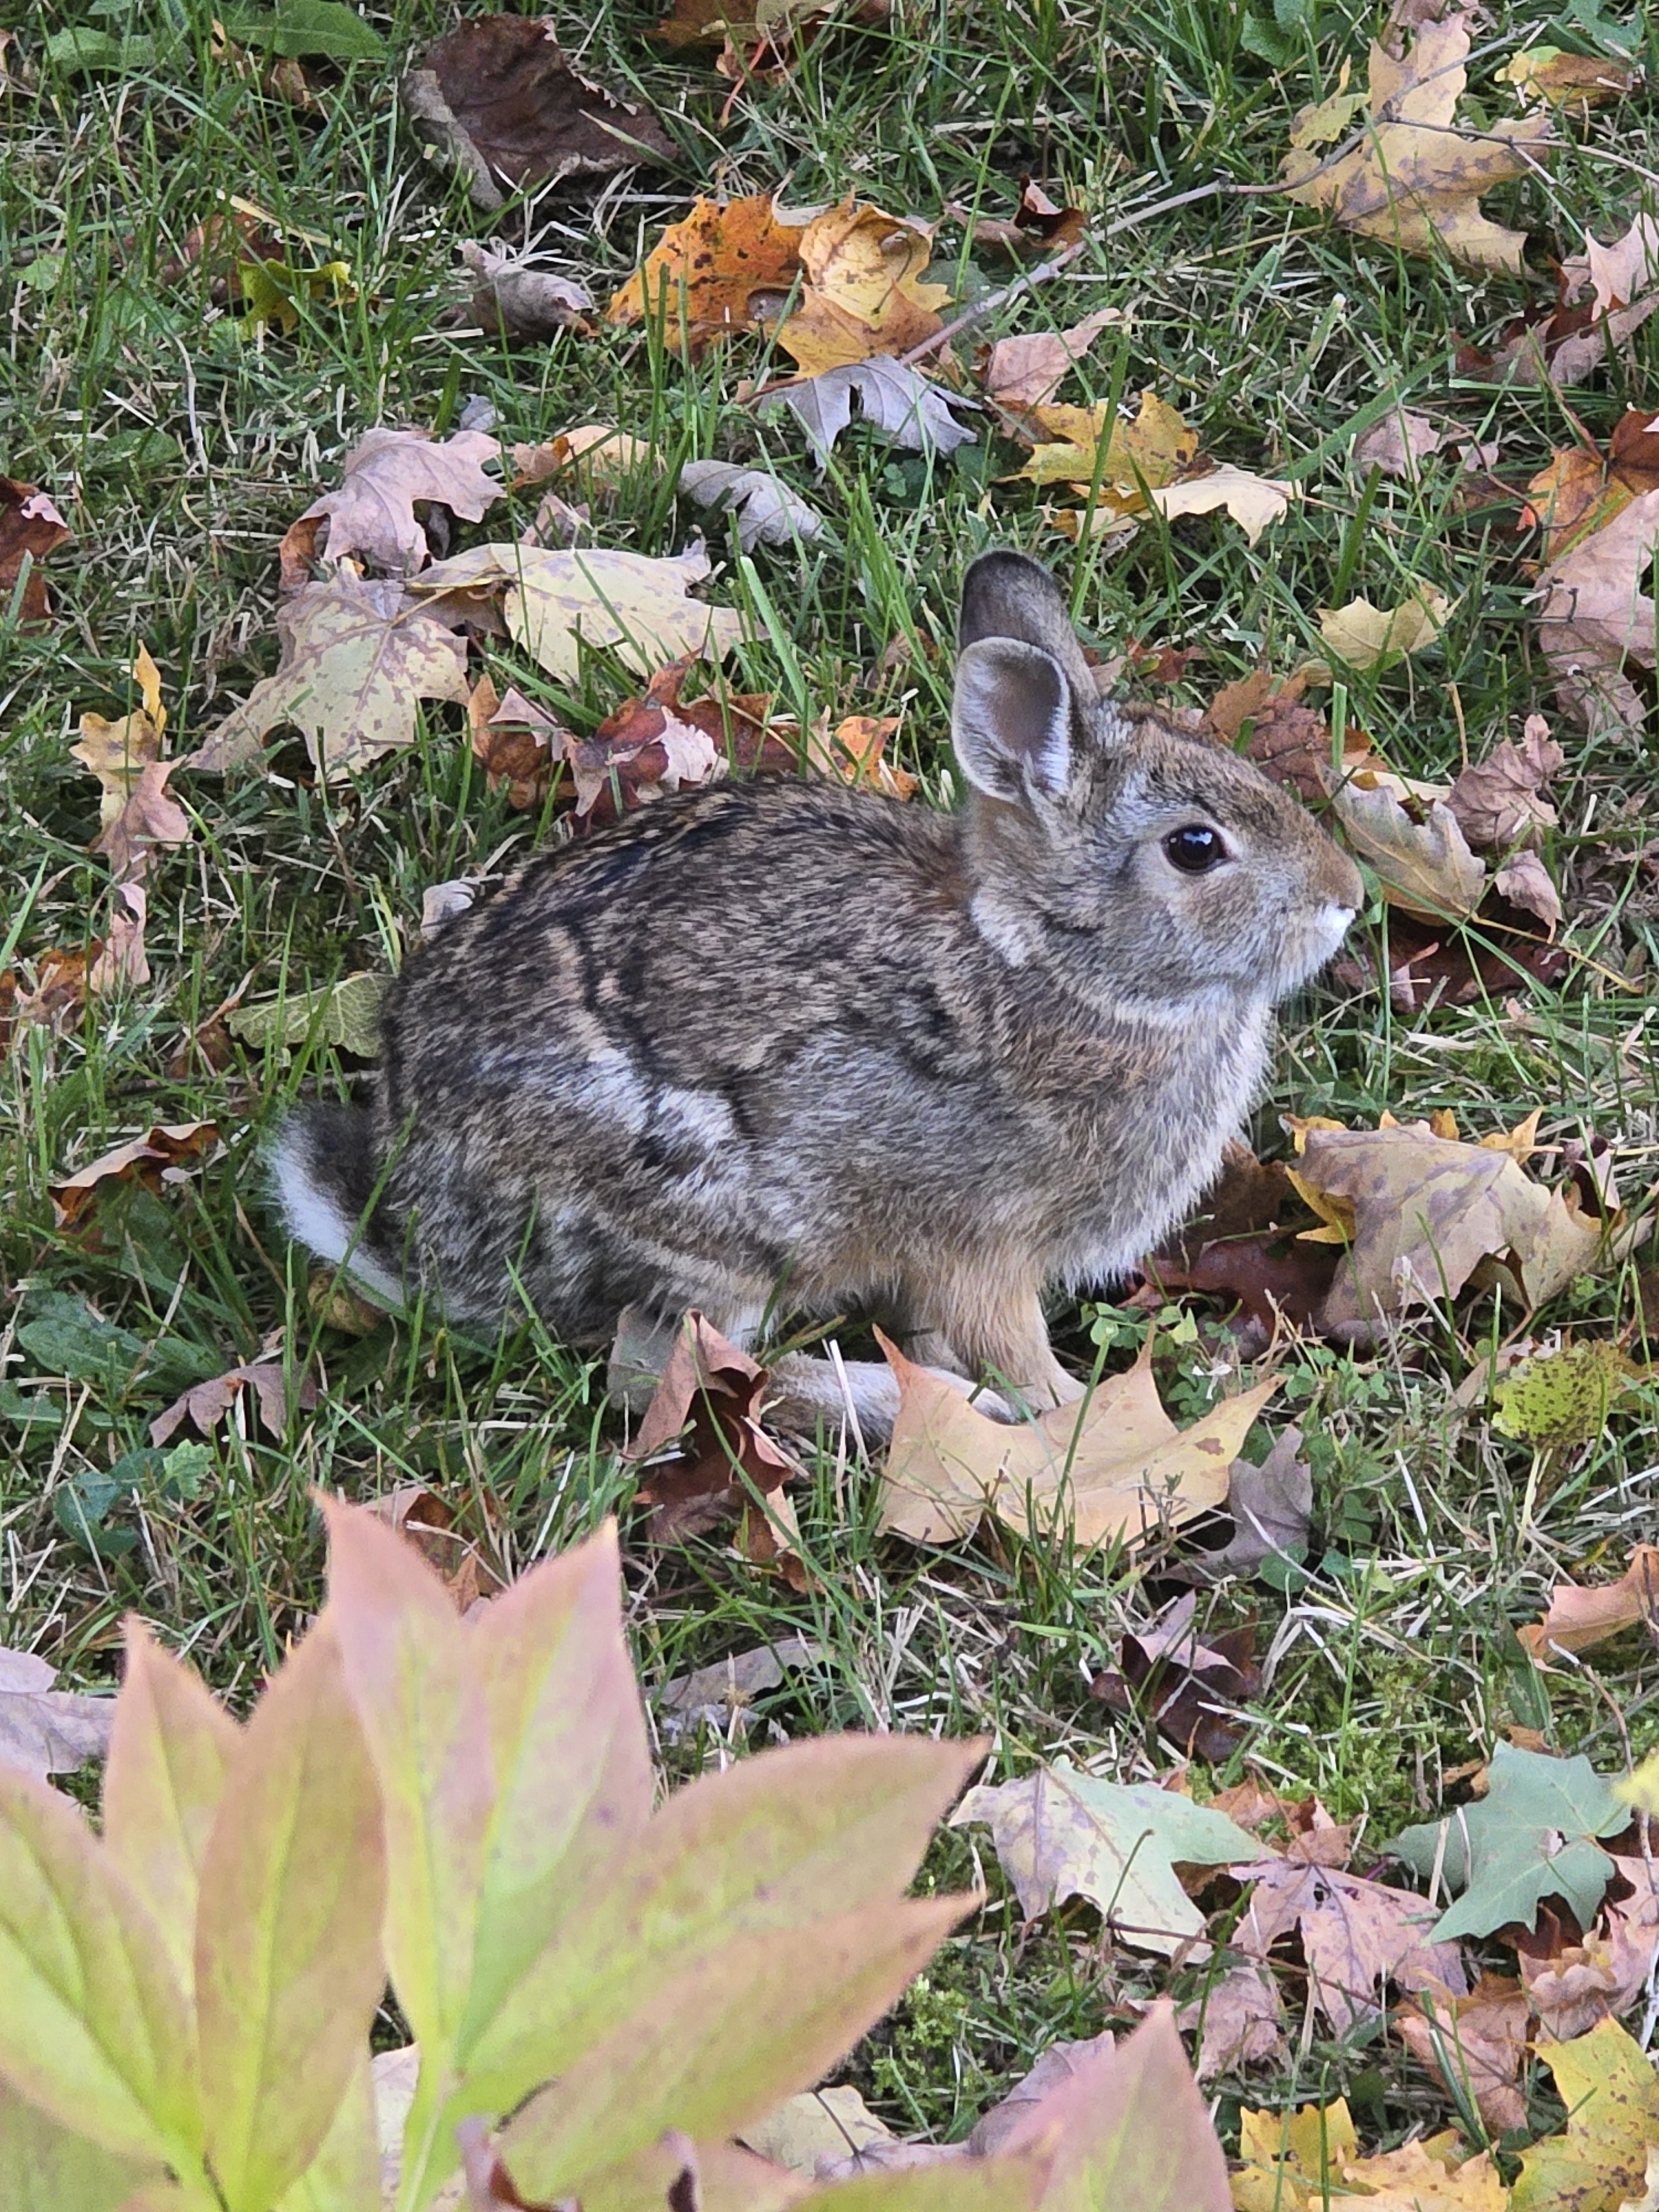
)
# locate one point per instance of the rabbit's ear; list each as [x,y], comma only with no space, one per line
[1010,719]
[1004,594]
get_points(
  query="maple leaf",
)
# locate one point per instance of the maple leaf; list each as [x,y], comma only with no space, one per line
[1190,1690]
[512,297]
[1355,1935]
[1253,501]
[556,600]
[1497,800]
[863,292]
[1580,1618]
[371,516]
[1421,858]
[1401,440]
[356,659]
[1607,2084]
[1271,1506]
[720,1695]
[1574,82]
[1595,616]
[506,108]
[151,1159]
[30,527]
[1125,456]
[1115,1467]
[1416,180]
[1532,1836]
[767,511]
[893,399]
[1024,373]
[1239,2021]
[46,1731]
[720,270]
[1060,1832]
[1365,635]
[516,743]
[1476,2044]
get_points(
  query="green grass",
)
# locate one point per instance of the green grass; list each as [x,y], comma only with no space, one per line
[179,449]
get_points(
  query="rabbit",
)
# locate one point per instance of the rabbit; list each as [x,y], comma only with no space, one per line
[779,1046]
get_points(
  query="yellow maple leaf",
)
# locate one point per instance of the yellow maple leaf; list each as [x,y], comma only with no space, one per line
[864,292]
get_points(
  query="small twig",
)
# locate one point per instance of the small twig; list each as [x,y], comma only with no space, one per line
[993,302]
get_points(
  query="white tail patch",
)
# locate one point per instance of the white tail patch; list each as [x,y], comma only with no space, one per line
[313,1217]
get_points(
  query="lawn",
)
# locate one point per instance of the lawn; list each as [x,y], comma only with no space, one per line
[178,440]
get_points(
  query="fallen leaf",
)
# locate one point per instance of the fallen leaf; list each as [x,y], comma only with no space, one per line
[1356,1935]
[1253,501]
[717,1390]
[1290,2158]
[278,293]
[1060,2063]
[30,528]
[1532,1836]
[767,511]
[1115,1467]
[151,1159]
[1401,440]
[1424,864]
[512,297]
[388,473]
[554,600]
[893,400]
[720,1695]
[1575,82]
[1289,740]
[441,902]
[122,958]
[1239,2021]
[1607,2083]
[516,743]
[1363,636]
[717,273]
[1498,801]
[1650,2199]
[1476,2044]
[204,1405]
[430,1525]
[1024,373]
[1039,226]
[1271,1506]
[662,742]
[1416,180]
[1524,882]
[58,996]
[346,1013]
[865,291]
[1060,1832]
[357,657]
[46,1731]
[1595,616]
[1190,1691]
[502,103]
[1428,1212]
[1578,1618]
[854,752]
[602,455]
[1122,457]
[832,2124]
[117,752]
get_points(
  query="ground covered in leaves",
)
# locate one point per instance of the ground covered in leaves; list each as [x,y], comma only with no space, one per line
[1325,380]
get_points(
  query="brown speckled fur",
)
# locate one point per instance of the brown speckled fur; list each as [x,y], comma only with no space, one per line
[795,1046]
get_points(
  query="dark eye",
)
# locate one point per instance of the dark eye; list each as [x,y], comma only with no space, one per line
[1194,849]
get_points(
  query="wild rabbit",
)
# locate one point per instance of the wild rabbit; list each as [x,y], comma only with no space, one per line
[786,1046]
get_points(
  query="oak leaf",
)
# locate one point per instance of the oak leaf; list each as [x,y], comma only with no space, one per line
[46,1731]
[30,527]
[893,399]
[1114,1469]
[388,473]
[1415,181]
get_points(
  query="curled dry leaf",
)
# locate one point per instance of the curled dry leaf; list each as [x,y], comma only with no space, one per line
[1524,881]
[56,999]
[1114,1469]
[117,752]
[512,297]
[1239,2021]
[1579,1618]
[556,600]
[46,1731]
[122,958]
[1498,801]
[1362,635]
[205,1404]
[516,742]
[30,527]
[372,517]
[357,657]
[1039,227]
[1253,501]
[1190,1690]
[599,453]
[1574,82]
[1024,373]
[1595,617]
[1476,2044]
[1421,858]
[1415,180]
[1356,1935]
[152,1159]
[1289,740]
[767,511]
[893,399]
[715,1389]
[502,103]
[853,752]
[662,742]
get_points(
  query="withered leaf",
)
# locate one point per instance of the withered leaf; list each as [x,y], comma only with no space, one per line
[1142,451]
[767,511]
[1363,635]
[46,1731]
[357,658]
[1239,2021]
[388,473]
[1039,226]
[894,400]
[1022,372]
[865,292]
[117,752]
[152,1159]
[1423,866]
[122,958]
[1253,501]
[717,1390]
[1498,801]
[30,527]
[1190,1690]
[430,1525]
[1595,617]
[204,1405]
[1289,740]
[1355,1936]
[515,297]
[722,268]
[1478,2043]
[1525,883]
[502,101]
[1580,1618]
[516,742]
[1575,82]
[1271,1506]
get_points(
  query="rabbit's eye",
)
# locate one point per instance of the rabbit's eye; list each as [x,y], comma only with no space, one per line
[1194,849]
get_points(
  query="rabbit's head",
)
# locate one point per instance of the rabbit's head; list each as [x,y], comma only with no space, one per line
[1156,867]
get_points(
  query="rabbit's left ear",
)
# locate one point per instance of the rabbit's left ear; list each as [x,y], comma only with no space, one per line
[1011,720]
[1008,594]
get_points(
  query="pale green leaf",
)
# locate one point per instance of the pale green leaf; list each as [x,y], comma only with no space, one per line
[168,1756]
[288,1957]
[986,2184]
[716,2048]
[346,1013]
[44,2168]
[94,2027]
[345,2174]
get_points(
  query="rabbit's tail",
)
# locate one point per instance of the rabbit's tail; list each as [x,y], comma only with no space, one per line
[323,1169]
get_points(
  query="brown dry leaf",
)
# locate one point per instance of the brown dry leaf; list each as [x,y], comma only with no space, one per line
[1271,1507]
[1421,2178]
[1575,82]
[662,742]
[1415,181]
[721,1693]
[725,268]
[116,752]
[1355,1936]
[357,657]
[514,298]
[1040,227]
[30,527]
[1239,2021]
[151,1159]
[1498,800]
[204,1405]
[1429,1212]
[46,1731]
[1114,1468]
[55,1001]
[1289,740]
[826,2128]
[602,455]
[502,102]
[429,1524]
[716,1389]
[1596,615]
[1579,1618]
[388,474]
[122,958]
[1191,1691]
[1423,865]
[516,742]
[1583,489]
[865,292]
[853,753]
[1475,2043]
[1401,440]
[1524,882]
[1024,373]
[1363,635]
